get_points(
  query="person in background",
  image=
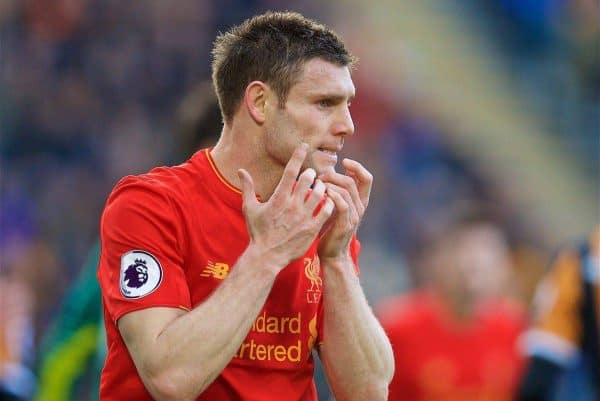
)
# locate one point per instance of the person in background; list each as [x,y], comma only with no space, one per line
[563,346]
[455,336]
[17,381]
[220,276]
[74,349]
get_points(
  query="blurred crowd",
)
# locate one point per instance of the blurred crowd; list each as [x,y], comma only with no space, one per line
[551,47]
[91,90]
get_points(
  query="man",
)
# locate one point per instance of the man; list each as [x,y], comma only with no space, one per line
[216,293]
[455,338]
[564,345]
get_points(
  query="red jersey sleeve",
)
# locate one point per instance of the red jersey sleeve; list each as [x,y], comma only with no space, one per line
[141,262]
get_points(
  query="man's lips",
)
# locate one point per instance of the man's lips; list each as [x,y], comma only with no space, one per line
[332,152]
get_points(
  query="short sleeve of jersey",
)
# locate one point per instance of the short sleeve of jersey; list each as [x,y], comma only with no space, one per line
[141,262]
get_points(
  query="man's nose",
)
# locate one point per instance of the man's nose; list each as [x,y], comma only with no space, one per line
[344,125]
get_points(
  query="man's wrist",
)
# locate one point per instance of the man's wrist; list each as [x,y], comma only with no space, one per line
[260,259]
[340,262]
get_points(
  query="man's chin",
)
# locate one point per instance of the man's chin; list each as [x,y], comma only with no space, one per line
[320,166]
[326,168]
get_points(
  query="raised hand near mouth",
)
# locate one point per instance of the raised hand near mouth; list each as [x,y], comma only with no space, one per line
[285,226]
[350,194]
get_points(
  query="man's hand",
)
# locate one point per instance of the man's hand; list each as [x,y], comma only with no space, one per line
[285,226]
[350,194]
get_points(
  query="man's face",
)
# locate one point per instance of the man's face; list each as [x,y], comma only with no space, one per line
[316,112]
[475,262]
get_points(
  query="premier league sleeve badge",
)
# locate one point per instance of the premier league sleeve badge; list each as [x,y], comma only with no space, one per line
[141,274]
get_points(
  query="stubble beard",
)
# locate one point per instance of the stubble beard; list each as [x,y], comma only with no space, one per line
[282,139]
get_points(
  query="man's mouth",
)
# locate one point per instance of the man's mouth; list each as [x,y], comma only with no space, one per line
[328,151]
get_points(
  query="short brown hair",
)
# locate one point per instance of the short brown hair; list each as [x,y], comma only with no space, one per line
[272,48]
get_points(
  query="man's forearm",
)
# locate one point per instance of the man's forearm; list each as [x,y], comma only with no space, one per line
[193,349]
[356,353]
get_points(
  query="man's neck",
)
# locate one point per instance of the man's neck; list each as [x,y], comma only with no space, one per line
[237,150]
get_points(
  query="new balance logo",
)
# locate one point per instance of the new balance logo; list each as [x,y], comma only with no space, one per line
[216,270]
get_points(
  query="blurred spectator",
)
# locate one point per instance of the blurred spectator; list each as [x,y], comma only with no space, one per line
[16,339]
[73,350]
[564,345]
[29,283]
[455,337]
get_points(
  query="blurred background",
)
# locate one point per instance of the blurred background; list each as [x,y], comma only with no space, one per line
[461,106]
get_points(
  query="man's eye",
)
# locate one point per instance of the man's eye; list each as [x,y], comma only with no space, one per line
[324,103]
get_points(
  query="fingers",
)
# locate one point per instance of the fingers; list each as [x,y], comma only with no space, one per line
[342,201]
[325,212]
[292,169]
[248,194]
[362,177]
[316,195]
[305,181]
[349,185]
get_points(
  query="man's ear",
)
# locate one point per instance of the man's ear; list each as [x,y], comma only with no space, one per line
[255,100]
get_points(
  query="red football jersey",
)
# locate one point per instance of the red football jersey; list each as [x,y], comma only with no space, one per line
[440,359]
[169,238]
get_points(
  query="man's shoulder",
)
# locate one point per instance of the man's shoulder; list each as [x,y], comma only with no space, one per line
[168,181]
